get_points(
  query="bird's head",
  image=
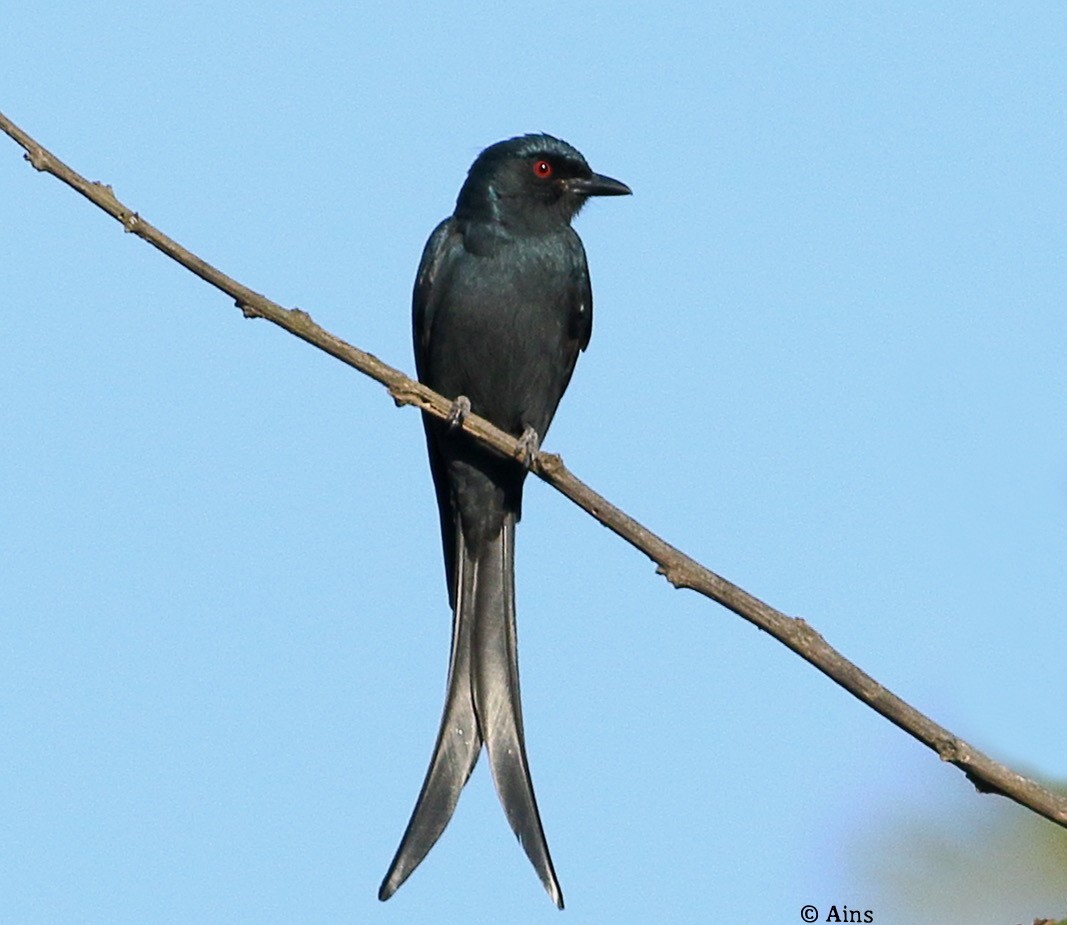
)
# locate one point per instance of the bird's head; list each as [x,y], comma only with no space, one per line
[531,184]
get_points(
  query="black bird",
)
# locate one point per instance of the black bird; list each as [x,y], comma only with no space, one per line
[501,308]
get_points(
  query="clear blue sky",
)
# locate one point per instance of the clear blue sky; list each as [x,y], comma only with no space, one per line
[828,360]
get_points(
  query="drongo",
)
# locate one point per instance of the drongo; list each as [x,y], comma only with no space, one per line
[501,309]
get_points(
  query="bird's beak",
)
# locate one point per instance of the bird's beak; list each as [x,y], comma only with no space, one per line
[597,185]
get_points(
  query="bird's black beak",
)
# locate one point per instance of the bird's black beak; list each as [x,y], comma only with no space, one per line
[598,185]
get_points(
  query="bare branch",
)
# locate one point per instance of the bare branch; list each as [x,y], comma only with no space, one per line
[987,775]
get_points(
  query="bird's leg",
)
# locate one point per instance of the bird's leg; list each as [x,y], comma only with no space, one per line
[529,446]
[461,407]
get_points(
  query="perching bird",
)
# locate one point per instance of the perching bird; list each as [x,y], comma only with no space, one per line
[501,308]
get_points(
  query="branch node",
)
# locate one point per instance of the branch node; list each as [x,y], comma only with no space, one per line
[984,786]
[402,395]
[676,573]
[807,632]
[38,159]
[548,463]
[953,751]
[130,220]
[247,309]
[298,314]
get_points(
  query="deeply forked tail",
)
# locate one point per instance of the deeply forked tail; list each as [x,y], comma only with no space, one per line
[481,704]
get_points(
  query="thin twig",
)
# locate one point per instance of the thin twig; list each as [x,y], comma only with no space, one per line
[987,775]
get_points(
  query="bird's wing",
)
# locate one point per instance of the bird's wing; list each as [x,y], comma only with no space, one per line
[444,246]
[581,326]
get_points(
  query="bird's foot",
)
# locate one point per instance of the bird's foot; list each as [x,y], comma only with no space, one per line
[461,407]
[529,446]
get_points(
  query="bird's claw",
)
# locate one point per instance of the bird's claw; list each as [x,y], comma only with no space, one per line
[461,407]
[529,446]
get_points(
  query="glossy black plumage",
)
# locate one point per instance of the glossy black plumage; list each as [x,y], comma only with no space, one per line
[501,309]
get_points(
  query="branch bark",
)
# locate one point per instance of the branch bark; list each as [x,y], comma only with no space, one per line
[987,775]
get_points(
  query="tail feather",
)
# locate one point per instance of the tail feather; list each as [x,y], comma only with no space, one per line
[497,703]
[482,703]
[459,742]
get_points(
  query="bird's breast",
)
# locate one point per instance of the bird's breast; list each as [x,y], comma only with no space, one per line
[502,332]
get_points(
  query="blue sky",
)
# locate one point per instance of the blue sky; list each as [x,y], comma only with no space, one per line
[827,360]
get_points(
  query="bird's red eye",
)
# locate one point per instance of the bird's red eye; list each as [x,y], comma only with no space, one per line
[542,169]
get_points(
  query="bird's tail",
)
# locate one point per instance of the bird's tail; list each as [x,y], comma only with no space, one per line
[482,704]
